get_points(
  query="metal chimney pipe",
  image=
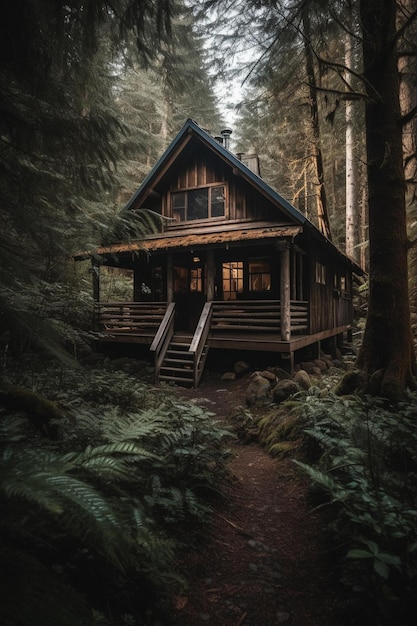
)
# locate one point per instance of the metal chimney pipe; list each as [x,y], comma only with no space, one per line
[225,133]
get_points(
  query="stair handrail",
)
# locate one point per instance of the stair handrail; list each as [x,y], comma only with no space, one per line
[163,337]
[199,341]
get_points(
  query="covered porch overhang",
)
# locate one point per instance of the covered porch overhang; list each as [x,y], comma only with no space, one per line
[217,241]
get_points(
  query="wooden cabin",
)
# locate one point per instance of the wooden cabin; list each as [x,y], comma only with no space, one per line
[235,266]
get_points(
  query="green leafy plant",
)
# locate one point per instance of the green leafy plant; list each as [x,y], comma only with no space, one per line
[367,468]
[106,502]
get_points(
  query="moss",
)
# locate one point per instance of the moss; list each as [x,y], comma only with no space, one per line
[39,410]
[283,448]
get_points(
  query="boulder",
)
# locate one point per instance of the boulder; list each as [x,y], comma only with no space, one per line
[241,367]
[311,368]
[268,375]
[280,373]
[283,389]
[229,376]
[258,391]
[302,379]
[321,364]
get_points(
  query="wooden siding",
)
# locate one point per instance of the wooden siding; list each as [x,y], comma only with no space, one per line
[329,307]
[194,170]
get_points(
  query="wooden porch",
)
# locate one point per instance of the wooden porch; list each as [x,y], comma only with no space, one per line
[254,325]
[240,320]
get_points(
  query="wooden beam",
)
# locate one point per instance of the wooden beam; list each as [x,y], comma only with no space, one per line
[170,278]
[210,276]
[285,294]
[95,272]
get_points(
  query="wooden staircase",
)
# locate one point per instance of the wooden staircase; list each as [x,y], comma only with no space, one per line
[180,357]
[178,363]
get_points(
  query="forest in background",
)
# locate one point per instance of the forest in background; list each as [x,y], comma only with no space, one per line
[89,99]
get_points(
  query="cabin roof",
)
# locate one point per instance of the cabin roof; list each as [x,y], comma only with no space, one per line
[192,128]
[198,240]
[170,240]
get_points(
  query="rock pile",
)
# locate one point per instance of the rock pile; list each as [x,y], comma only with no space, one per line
[274,384]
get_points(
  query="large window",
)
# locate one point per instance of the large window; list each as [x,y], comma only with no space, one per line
[232,279]
[259,275]
[198,204]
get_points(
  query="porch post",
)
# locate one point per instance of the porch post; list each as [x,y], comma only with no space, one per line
[300,295]
[95,272]
[170,279]
[210,276]
[285,293]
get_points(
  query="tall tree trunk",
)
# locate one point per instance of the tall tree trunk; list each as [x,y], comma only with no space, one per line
[407,66]
[387,353]
[322,212]
[352,234]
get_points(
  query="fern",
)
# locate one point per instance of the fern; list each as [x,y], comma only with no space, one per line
[367,469]
[128,472]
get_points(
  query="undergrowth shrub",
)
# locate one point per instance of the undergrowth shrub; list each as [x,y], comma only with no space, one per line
[367,468]
[92,520]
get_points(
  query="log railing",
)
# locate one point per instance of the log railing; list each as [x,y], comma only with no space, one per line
[198,346]
[163,337]
[249,316]
[258,316]
[141,318]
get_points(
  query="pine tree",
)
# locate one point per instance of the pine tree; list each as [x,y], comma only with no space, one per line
[59,135]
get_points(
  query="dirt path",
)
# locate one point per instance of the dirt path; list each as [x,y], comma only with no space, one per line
[263,563]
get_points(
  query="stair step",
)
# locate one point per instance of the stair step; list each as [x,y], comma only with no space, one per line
[172,368]
[180,352]
[177,379]
[186,362]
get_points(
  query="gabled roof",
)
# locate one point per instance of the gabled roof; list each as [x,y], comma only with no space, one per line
[192,128]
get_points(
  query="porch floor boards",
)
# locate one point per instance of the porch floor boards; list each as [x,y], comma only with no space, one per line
[234,340]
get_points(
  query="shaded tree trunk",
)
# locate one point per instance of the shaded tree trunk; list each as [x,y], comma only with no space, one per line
[322,212]
[387,354]
[352,228]
[407,66]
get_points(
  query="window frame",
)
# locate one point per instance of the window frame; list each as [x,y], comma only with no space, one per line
[262,274]
[209,187]
[320,273]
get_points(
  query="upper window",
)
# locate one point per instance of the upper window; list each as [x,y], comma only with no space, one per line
[198,204]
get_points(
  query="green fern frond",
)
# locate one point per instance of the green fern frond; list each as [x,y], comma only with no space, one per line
[137,426]
[322,479]
[122,448]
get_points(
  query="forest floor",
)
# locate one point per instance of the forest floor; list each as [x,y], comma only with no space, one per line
[263,560]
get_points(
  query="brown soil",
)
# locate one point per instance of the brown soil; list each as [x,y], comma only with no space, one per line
[263,562]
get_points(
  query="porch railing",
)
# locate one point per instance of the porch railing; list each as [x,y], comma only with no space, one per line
[198,346]
[129,317]
[249,316]
[258,316]
[163,337]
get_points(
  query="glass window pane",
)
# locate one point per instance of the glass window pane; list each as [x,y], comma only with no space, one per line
[197,204]
[259,275]
[178,201]
[196,279]
[217,201]
[232,279]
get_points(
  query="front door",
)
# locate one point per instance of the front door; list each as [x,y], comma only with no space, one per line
[189,291]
